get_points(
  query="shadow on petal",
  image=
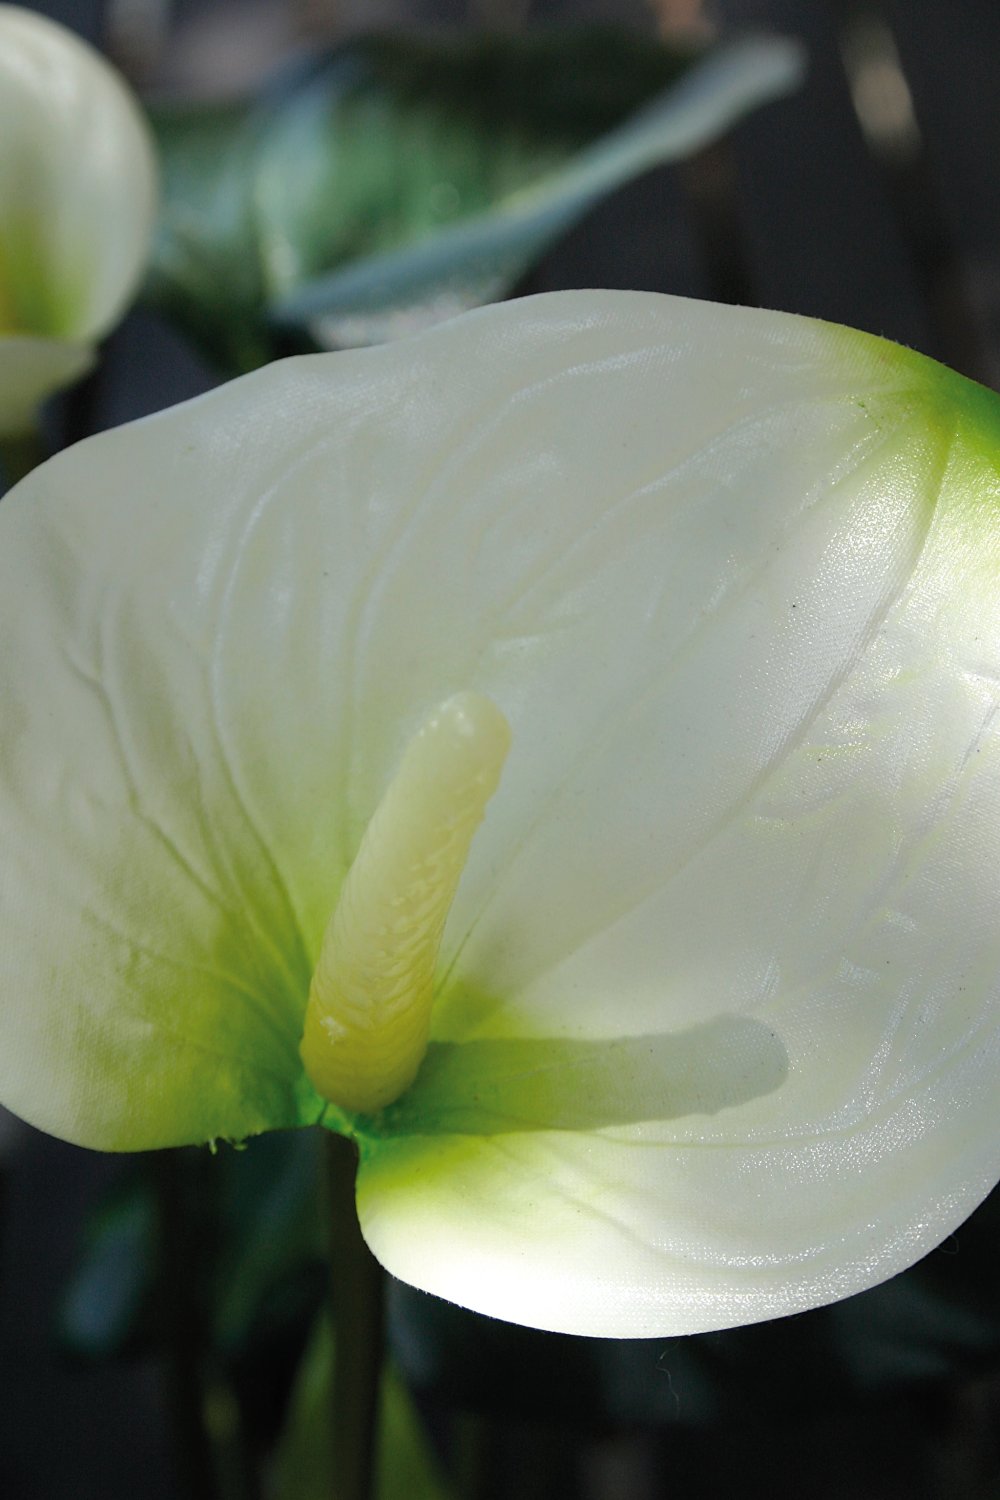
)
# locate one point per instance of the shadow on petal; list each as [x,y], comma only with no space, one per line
[497,1087]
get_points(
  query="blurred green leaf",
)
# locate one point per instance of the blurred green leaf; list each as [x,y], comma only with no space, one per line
[305,1464]
[271,1232]
[102,1309]
[397,181]
[206,270]
[261,1267]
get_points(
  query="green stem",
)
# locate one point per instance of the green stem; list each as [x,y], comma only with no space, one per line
[358,1318]
[19,455]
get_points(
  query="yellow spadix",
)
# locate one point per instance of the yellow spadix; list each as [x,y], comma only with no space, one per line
[370,1000]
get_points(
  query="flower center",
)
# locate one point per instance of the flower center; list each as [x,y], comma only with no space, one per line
[369,1009]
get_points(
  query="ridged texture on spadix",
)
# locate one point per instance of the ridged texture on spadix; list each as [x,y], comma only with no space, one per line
[370,1000]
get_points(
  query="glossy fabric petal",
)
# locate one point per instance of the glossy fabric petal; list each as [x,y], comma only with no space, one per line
[717,1034]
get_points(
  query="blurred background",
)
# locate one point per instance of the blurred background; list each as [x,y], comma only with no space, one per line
[865,192]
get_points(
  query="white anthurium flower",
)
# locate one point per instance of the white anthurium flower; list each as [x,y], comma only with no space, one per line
[696,608]
[77,206]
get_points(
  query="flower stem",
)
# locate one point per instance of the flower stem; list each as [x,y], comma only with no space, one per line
[358,1313]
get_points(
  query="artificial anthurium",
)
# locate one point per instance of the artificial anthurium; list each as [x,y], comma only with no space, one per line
[557,751]
[77,207]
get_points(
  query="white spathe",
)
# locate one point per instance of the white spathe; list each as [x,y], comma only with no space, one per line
[78,195]
[717,1030]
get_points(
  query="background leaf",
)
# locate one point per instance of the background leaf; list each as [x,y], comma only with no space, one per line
[397,181]
[305,1463]
[103,1309]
